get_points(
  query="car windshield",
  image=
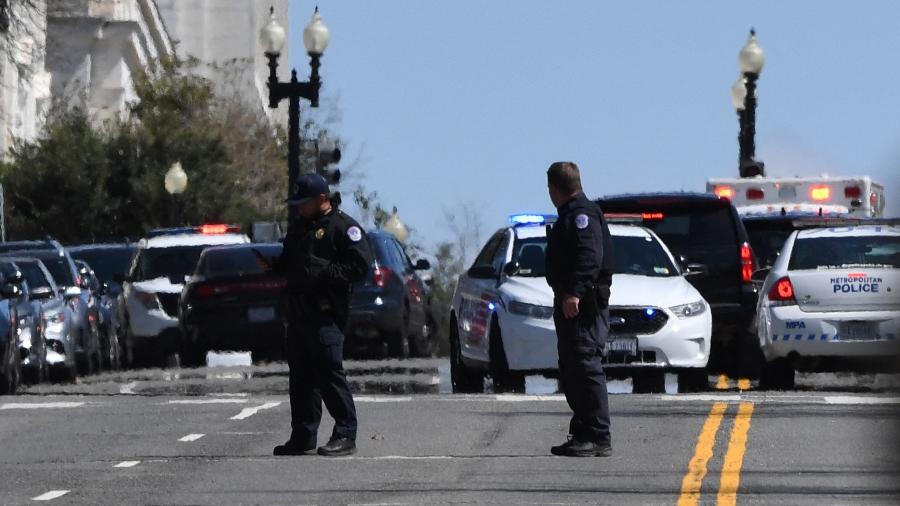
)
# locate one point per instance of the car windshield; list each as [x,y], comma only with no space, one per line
[173,263]
[34,276]
[106,262]
[642,256]
[845,252]
[59,268]
[225,262]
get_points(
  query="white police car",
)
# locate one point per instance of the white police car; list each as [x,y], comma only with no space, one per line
[831,301]
[152,288]
[501,317]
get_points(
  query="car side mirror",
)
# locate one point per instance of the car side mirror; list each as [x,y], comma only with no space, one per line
[423,265]
[696,270]
[760,275]
[10,290]
[482,272]
[511,269]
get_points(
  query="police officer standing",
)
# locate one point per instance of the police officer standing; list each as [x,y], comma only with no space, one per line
[325,251]
[579,261]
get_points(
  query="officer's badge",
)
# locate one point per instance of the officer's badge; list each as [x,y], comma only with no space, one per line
[354,233]
[581,221]
[320,233]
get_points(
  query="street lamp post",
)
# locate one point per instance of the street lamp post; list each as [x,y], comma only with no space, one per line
[315,39]
[176,181]
[743,97]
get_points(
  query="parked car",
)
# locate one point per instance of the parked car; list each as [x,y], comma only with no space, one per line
[61,265]
[10,362]
[32,346]
[389,309]
[59,351]
[231,302]
[501,316]
[706,235]
[830,303]
[107,262]
[165,259]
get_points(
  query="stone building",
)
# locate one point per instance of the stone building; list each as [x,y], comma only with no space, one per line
[86,51]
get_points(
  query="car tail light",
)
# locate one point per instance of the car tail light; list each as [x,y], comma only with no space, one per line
[782,292]
[381,276]
[755,194]
[724,192]
[852,192]
[820,193]
[747,263]
[210,290]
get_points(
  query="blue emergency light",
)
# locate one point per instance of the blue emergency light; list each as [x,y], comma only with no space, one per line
[531,219]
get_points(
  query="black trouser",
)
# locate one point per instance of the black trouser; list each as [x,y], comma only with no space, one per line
[580,343]
[315,347]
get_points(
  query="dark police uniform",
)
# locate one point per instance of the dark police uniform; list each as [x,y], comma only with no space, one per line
[321,259]
[579,263]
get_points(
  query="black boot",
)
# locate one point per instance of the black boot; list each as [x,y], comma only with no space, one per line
[338,447]
[292,448]
[577,448]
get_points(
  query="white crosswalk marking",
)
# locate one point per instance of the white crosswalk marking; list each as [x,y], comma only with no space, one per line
[191,437]
[49,496]
[248,412]
[41,405]
[128,463]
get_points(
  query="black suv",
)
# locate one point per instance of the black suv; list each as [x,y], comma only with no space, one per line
[389,310]
[706,234]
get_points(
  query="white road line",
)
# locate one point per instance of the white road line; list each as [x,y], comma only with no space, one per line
[49,496]
[529,398]
[248,412]
[41,405]
[128,388]
[128,463]
[209,401]
[372,398]
[191,437]
[846,399]
[701,398]
[225,394]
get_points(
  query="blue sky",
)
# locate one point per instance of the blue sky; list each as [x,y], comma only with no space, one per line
[469,101]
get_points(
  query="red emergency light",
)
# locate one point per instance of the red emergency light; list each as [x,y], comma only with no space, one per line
[755,194]
[852,192]
[214,229]
[724,192]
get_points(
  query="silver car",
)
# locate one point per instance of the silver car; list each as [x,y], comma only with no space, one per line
[830,302]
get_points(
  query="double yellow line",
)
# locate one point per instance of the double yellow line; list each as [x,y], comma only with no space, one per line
[734,456]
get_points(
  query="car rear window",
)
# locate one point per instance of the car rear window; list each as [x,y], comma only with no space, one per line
[236,261]
[34,276]
[59,268]
[106,262]
[697,233]
[173,263]
[854,251]
[767,238]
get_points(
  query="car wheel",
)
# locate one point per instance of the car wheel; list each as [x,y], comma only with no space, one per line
[649,382]
[424,344]
[463,379]
[777,375]
[12,375]
[398,344]
[504,379]
[194,350]
[693,380]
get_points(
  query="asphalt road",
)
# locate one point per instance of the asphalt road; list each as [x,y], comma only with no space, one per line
[805,447]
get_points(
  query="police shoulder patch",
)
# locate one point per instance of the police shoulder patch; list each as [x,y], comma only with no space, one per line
[581,221]
[354,233]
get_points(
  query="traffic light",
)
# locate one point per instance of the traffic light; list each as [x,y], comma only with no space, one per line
[325,157]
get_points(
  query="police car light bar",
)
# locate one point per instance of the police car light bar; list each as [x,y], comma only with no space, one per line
[531,219]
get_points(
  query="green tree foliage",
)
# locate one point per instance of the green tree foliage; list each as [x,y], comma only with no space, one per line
[79,181]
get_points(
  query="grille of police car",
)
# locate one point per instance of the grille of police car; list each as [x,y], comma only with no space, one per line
[169,303]
[636,321]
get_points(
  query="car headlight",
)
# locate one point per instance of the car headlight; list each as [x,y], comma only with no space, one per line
[148,300]
[532,310]
[688,310]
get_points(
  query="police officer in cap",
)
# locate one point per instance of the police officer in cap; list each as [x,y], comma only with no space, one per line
[325,251]
[579,270]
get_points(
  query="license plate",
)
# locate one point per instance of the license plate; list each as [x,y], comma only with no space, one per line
[858,331]
[622,344]
[260,314]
